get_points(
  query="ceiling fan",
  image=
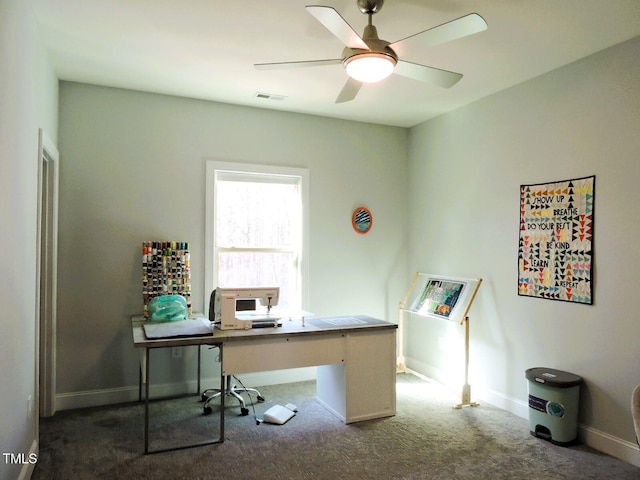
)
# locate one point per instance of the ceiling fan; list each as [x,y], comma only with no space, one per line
[369,59]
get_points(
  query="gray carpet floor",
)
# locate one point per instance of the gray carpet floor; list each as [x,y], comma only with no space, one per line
[427,439]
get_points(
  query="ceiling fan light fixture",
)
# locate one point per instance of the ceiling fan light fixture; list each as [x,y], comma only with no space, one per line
[369,67]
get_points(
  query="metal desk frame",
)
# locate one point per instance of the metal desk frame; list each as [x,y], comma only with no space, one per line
[146,379]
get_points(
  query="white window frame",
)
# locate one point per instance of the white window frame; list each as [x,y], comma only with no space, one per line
[214,166]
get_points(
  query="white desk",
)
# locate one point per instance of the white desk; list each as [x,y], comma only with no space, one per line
[355,355]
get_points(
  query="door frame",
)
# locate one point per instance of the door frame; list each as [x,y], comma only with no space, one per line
[46,275]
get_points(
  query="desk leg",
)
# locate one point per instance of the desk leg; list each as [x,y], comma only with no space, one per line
[141,373]
[222,395]
[146,400]
[146,380]
[199,347]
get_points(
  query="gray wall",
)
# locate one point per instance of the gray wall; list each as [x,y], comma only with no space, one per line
[133,170]
[464,176]
[28,101]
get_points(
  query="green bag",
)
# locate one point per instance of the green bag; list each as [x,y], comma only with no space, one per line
[168,308]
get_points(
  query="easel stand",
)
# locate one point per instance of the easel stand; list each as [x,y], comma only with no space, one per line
[466,388]
[419,291]
[400,364]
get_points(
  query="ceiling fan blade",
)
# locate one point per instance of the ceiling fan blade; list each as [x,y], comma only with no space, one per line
[442,78]
[307,63]
[349,91]
[458,28]
[337,25]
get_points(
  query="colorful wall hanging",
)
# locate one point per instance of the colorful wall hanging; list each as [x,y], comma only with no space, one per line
[555,253]
[166,270]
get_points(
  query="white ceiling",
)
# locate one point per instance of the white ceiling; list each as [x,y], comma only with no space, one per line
[206,49]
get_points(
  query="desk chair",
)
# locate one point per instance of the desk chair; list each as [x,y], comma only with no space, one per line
[230,389]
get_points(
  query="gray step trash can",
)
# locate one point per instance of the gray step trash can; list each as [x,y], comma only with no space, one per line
[553,404]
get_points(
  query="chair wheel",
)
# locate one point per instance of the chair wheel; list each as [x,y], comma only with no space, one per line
[208,410]
[244,411]
[260,398]
[204,397]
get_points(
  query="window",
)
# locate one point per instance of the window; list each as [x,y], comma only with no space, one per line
[255,229]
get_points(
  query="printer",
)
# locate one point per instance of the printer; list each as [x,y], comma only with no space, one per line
[230,311]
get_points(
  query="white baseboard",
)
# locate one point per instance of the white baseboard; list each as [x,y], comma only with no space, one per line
[97,398]
[601,441]
[614,446]
[27,468]
[504,402]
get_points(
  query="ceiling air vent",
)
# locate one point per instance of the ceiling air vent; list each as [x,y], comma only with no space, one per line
[269,96]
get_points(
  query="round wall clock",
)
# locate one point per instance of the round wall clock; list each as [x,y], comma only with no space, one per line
[362,220]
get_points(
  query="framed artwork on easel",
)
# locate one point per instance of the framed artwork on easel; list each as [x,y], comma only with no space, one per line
[446,298]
